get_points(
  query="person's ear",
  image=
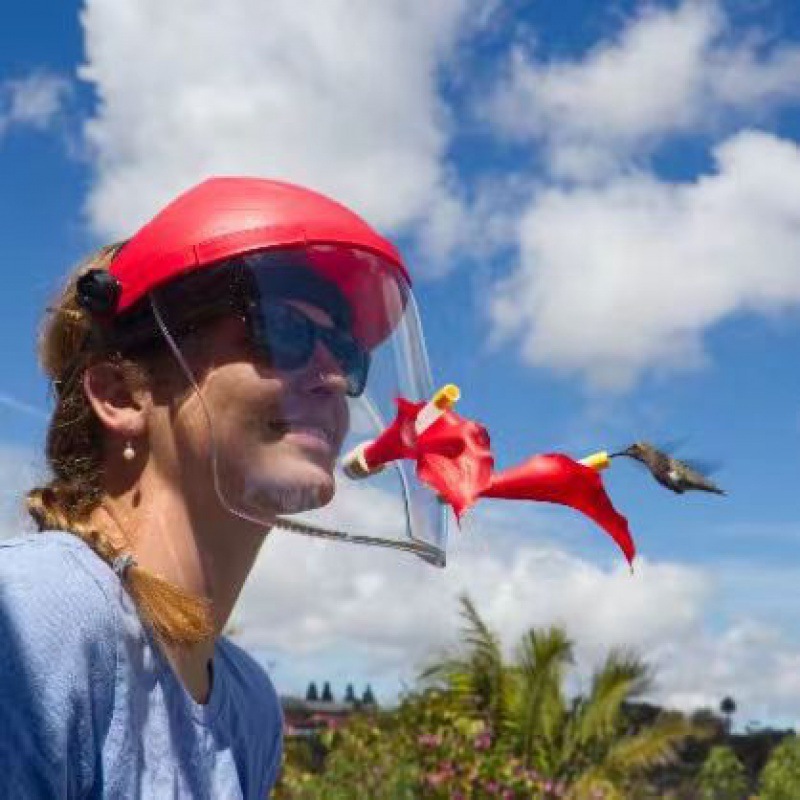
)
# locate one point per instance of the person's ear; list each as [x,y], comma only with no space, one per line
[121,404]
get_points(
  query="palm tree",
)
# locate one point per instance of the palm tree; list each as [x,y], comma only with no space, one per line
[538,707]
[728,708]
[479,680]
[584,744]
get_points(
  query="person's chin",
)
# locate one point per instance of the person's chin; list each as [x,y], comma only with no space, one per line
[308,488]
[314,475]
[324,495]
[278,497]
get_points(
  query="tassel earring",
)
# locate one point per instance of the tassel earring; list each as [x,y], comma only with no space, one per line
[128,453]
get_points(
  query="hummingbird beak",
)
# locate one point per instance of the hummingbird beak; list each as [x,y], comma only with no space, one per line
[628,451]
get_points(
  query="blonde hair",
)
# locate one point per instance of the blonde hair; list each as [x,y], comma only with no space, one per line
[74,453]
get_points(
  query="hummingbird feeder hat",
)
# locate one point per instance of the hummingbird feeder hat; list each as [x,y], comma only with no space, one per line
[263,251]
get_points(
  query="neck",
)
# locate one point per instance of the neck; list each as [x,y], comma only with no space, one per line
[208,553]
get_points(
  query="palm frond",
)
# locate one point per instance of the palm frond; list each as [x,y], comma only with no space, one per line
[592,785]
[540,708]
[487,670]
[451,674]
[653,746]
[477,634]
[622,677]
[477,676]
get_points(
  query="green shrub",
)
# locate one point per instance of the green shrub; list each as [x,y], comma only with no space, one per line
[780,778]
[722,776]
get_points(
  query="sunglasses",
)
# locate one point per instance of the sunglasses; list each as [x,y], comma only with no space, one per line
[287,338]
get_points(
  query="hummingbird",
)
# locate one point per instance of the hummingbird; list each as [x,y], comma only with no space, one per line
[677,476]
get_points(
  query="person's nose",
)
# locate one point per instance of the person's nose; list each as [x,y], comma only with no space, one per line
[324,374]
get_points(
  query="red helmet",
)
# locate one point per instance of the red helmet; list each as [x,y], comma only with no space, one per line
[221,218]
[226,217]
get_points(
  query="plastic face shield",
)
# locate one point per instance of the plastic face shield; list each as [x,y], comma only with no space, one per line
[295,357]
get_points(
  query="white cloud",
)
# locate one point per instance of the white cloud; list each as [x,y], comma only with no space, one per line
[340,96]
[366,614]
[670,71]
[626,275]
[750,661]
[401,610]
[619,270]
[33,101]
[20,470]
[610,92]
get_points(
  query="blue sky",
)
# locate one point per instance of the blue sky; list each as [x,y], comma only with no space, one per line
[600,204]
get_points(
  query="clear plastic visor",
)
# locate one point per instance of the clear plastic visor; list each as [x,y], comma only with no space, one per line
[295,358]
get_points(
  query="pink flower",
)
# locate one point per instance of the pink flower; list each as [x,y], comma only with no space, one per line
[436,778]
[444,773]
[483,741]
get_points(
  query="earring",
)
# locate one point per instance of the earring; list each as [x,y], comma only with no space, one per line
[128,453]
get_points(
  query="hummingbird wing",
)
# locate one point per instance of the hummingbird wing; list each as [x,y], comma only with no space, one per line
[705,466]
[702,466]
[671,445]
[692,479]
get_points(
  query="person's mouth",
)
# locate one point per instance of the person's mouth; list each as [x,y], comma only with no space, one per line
[308,434]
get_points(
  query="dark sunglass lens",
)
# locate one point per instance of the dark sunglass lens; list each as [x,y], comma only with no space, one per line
[352,358]
[287,336]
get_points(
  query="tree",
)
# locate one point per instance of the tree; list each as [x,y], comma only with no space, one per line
[706,718]
[367,756]
[327,694]
[311,693]
[780,778]
[477,677]
[728,708]
[368,698]
[587,744]
[722,776]
[728,705]
[480,727]
[350,695]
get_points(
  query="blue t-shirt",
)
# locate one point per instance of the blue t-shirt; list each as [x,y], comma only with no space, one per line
[91,708]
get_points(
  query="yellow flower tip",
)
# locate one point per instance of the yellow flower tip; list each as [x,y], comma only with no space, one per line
[597,461]
[447,397]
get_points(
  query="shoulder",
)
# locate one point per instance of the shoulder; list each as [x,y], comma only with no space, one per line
[58,650]
[56,568]
[53,592]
